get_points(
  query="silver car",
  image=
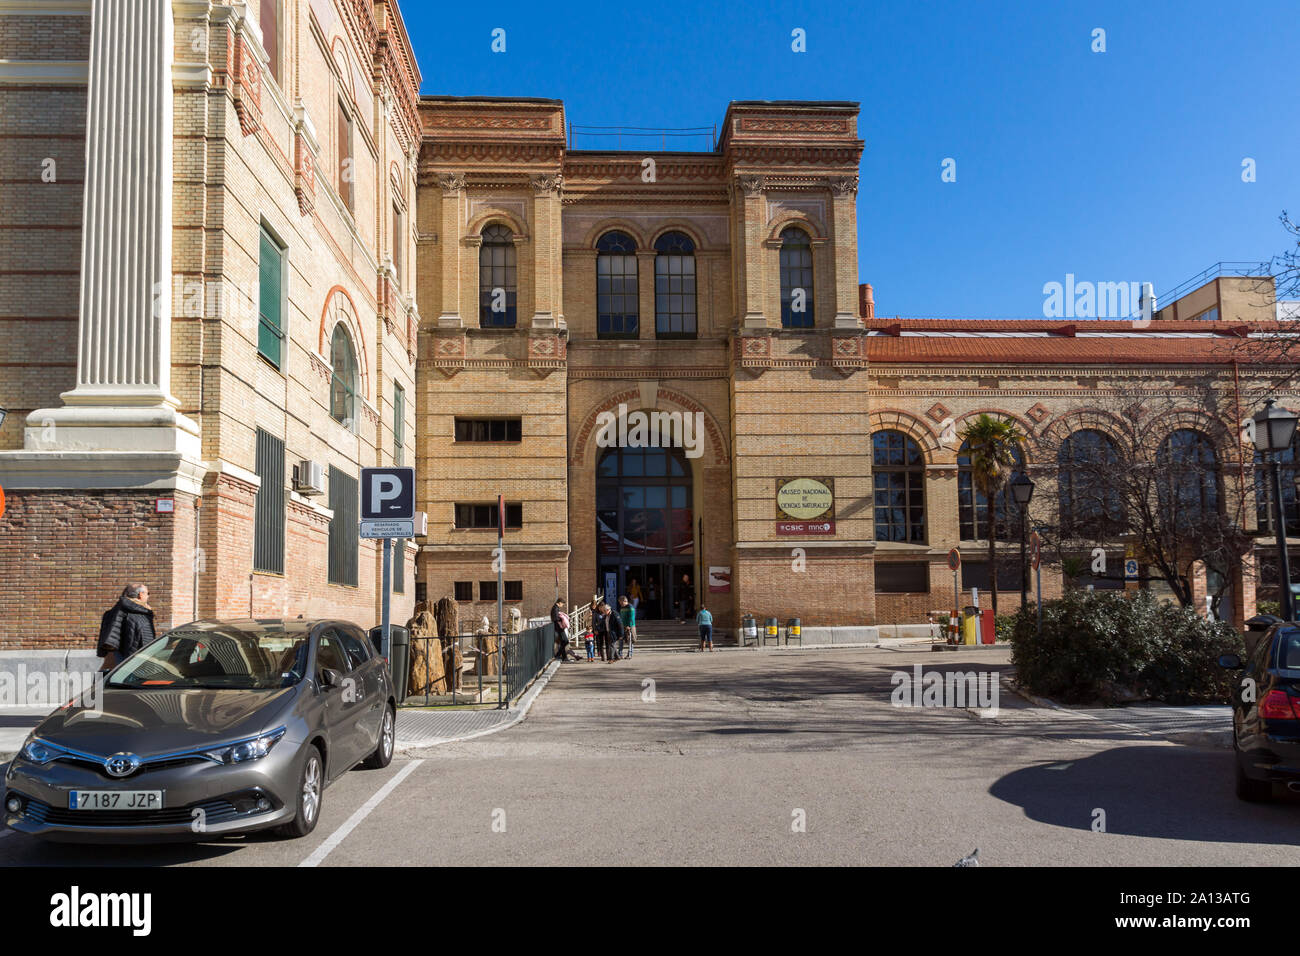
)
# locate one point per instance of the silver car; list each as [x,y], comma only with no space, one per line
[216,728]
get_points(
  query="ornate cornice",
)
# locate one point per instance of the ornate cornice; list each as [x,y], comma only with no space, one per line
[547,184]
[844,185]
[751,186]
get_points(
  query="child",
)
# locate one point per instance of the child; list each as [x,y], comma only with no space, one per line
[590,640]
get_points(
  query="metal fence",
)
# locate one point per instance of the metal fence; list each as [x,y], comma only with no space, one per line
[476,668]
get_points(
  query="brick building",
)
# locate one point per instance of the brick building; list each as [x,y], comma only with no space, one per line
[207,308]
[664,362]
[565,290]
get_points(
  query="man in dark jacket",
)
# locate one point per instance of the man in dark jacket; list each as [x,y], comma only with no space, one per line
[615,633]
[125,627]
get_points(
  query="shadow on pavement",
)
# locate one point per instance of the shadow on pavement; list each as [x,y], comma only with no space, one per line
[1174,793]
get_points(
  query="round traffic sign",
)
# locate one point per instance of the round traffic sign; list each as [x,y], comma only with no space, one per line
[954,560]
[2,502]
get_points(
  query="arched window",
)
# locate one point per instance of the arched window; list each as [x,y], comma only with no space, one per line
[497,289]
[617,313]
[343,380]
[973,505]
[1287,461]
[1089,500]
[674,286]
[1187,477]
[796,279]
[898,472]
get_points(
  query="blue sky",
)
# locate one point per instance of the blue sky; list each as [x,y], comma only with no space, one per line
[1122,166]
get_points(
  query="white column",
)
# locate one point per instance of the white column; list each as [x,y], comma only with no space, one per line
[122,400]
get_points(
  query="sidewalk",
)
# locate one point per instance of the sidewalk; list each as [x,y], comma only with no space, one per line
[1203,725]
[428,728]
[416,728]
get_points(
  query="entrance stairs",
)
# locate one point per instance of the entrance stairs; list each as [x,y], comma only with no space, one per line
[673,636]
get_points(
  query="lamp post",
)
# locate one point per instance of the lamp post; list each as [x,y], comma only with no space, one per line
[1274,429]
[3,413]
[1022,490]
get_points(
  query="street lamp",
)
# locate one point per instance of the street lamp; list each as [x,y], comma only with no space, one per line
[1022,490]
[3,413]
[1274,429]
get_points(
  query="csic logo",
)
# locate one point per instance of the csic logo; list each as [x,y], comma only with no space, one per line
[122,765]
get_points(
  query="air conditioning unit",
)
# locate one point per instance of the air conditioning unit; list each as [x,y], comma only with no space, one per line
[309,477]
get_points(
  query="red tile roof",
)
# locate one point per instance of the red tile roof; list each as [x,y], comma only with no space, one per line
[1067,342]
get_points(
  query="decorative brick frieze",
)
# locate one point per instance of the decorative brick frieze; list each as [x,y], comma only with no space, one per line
[245,83]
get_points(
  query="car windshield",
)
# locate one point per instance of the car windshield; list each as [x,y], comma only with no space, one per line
[1289,651]
[256,658]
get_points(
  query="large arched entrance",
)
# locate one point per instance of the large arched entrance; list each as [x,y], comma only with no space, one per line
[645,527]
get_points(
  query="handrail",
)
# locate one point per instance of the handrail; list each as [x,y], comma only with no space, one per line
[1244,269]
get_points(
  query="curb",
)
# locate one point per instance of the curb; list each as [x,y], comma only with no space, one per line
[518,713]
[1189,738]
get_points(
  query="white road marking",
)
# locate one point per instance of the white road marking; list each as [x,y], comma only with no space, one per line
[339,835]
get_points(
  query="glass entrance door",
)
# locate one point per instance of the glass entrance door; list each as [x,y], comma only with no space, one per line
[644,525]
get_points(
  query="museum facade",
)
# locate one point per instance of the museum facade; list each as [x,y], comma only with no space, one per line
[652,372]
[665,367]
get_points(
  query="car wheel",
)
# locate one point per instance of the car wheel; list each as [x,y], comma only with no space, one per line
[383,754]
[310,786]
[1252,791]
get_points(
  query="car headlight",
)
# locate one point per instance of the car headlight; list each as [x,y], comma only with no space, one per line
[242,751]
[38,751]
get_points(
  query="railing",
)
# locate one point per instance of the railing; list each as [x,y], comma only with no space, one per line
[637,136]
[472,669]
[1246,269]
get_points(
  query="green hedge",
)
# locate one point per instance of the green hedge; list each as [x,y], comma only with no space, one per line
[1111,647]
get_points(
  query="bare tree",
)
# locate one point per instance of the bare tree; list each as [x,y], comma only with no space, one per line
[1154,470]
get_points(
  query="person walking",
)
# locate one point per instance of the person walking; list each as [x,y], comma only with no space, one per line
[705,621]
[125,627]
[634,593]
[560,620]
[600,627]
[616,633]
[590,640]
[685,596]
[627,611]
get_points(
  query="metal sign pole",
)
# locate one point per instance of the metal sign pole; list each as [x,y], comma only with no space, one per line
[388,581]
[1038,572]
[501,561]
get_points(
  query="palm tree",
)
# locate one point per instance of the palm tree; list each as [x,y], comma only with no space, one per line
[992,444]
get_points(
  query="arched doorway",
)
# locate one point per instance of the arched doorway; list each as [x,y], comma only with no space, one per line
[645,527]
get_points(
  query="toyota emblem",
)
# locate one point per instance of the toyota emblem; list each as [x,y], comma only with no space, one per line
[122,765]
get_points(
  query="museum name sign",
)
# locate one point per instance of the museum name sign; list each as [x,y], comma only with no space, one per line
[805,506]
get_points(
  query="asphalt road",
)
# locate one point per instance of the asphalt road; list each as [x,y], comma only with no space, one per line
[736,749]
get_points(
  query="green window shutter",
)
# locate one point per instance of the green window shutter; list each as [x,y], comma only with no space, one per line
[270,329]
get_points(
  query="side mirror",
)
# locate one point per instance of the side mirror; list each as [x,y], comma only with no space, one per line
[330,677]
[1230,661]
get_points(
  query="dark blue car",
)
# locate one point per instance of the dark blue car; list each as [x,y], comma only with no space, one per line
[1266,714]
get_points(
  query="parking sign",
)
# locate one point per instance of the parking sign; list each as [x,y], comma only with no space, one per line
[387,494]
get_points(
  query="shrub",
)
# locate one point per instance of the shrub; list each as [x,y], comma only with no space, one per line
[1269,607]
[1004,626]
[1112,647]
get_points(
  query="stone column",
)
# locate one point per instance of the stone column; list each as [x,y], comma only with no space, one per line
[122,399]
[844,226]
[451,228]
[645,293]
[546,250]
[753,252]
